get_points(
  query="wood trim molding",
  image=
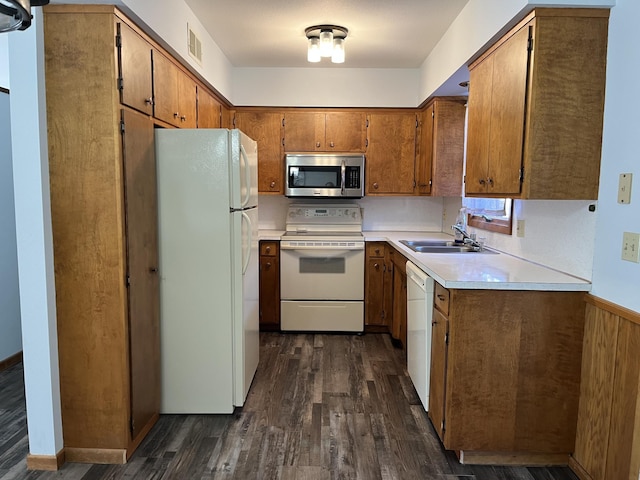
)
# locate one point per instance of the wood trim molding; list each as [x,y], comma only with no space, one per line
[104,456]
[613,308]
[10,361]
[49,463]
[580,472]
[515,458]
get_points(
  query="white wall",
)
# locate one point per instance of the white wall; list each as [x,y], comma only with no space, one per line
[614,279]
[10,336]
[4,61]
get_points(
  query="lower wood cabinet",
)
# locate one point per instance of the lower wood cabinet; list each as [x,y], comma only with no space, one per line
[505,374]
[608,433]
[399,282]
[269,285]
[377,288]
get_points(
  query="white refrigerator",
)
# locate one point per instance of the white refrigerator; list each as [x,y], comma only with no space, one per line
[208,231]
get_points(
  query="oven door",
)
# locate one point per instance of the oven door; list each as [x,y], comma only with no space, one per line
[332,271]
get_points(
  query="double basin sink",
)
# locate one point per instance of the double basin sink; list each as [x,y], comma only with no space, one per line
[442,246]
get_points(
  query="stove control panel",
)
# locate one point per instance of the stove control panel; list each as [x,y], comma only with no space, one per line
[324,214]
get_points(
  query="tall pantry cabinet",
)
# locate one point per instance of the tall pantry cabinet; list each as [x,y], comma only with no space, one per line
[103,206]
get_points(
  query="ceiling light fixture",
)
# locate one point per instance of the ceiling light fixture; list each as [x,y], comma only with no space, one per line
[324,41]
[16,14]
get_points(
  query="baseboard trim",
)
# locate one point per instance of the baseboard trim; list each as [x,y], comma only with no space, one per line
[580,472]
[10,361]
[49,463]
[513,458]
[104,456]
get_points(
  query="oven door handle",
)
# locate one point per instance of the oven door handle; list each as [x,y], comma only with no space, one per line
[322,251]
[343,176]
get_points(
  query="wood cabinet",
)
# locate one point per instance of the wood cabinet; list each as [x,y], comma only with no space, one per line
[266,128]
[399,288]
[378,288]
[134,63]
[608,432]
[174,93]
[536,102]
[104,223]
[324,131]
[505,374]
[391,147]
[269,285]
[209,110]
[440,148]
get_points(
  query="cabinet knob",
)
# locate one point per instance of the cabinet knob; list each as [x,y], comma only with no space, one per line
[377,250]
[441,298]
[434,322]
[375,185]
[482,181]
[148,101]
[490,180]
[268,265]
[331,145]
[376,266]
[183,118]
[267,249]
[272,185]
[317,144]
[176,114]
[153,270]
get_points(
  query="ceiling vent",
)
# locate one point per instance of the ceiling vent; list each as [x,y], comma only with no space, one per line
[195,45]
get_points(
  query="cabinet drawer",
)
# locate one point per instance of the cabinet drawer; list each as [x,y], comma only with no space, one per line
[268,249]
[441,299]
[375,249]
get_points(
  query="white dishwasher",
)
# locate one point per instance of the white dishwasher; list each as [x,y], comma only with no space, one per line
[419,312]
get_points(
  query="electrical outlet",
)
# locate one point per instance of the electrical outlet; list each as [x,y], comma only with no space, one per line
[520,228]
[624,188]
[631,247]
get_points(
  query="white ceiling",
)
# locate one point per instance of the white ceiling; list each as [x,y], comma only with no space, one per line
[382,33]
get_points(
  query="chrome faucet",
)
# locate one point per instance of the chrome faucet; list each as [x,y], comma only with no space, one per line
[467,239]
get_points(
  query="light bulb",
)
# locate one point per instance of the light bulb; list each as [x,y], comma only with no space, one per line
[326,43]
[338,50]
[313,50]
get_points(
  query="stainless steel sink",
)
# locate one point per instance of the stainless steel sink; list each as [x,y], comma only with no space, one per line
[441,246]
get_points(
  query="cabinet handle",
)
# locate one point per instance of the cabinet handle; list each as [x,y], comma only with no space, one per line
[490,180]
[441,298]
[153,270]
[148,101]
[267,249]
[317,144]
[375,185]
[272,185]
[376,266]
[176,114]
[435,322]
[482,181]
[331,145]
[268,265]
[183,118]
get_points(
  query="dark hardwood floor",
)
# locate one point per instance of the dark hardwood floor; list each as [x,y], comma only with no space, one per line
[321,407]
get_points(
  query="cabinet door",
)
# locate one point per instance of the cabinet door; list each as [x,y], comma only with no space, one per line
[345,132]
[304,132]
[447,160]
[391,153]
[479,127]
[134,58]
[508,94]
[269,286]
[141,223]
[266,129]
[438,376]
[209,114]
[374,291]
[165,89]
[424,151]
[186,101]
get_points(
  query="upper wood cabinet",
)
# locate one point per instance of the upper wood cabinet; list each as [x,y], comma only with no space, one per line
[440,148]
[134,62]
[391,148]
[174,93]
[209,110]
[324,132]
[536,102]
[265,128]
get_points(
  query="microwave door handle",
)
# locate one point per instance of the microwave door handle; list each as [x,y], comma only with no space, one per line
[343,175]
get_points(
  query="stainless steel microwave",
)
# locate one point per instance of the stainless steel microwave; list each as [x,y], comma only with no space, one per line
[324,175]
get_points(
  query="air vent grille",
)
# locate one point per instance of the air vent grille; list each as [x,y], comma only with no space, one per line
[195,45]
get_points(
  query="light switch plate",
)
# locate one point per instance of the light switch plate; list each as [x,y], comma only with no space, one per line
[624,188]
[520,228]
[631,247]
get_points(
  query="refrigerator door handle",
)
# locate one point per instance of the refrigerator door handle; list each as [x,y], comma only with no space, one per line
[247,253]
[247,177]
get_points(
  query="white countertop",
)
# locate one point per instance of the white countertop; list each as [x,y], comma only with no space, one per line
[480,270]
[484,271]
